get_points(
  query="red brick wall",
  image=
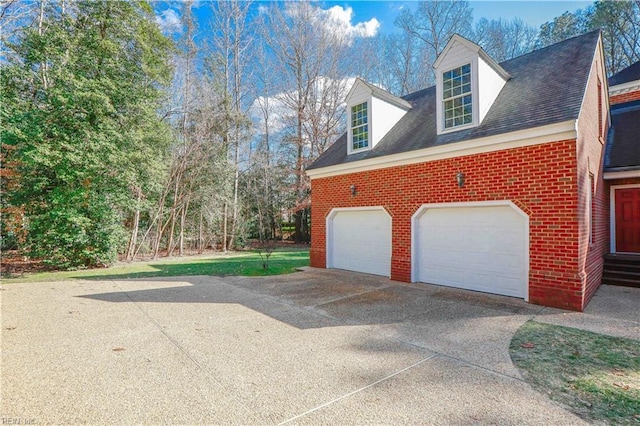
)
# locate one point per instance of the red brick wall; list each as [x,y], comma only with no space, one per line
[590,151]
[624,97]
[541,180]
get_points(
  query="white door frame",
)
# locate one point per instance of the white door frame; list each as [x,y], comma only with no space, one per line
[422,210]
[612,213]
[329,229]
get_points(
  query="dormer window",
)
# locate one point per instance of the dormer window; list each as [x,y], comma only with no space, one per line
[371,114]
[468,81]
[359,127]
[456,97]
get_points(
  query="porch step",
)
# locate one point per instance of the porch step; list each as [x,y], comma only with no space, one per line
[622,270]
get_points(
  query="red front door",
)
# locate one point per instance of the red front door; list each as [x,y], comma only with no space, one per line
[628,220]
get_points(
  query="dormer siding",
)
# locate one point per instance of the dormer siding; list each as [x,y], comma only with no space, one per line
[384,110]
[487,80]
[490,85]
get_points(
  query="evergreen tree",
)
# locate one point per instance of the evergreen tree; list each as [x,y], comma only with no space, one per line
[80,124]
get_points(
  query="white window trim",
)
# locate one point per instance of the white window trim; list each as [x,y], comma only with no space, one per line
[475,104]
[350,149]
[454,97]
[612,214]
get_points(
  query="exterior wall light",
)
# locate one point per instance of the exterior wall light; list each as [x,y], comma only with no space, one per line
[353,190]
[460,179]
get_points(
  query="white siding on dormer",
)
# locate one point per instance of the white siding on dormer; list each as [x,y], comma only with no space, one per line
[384,111]
[383,117]
[487,79]
[457,55]
[361,93]
[490,85]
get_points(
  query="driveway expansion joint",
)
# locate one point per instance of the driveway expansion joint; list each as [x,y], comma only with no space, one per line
[370,385]
[185,353]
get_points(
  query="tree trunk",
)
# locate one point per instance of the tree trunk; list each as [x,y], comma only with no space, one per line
[224,228]
[200,241]
[236,179]
[133,241]
[172,229]
[183,219]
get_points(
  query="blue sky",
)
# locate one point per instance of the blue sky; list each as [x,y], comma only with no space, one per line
[534,13]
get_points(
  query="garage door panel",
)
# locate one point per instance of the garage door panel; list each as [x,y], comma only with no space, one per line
[360,240]
[477,248]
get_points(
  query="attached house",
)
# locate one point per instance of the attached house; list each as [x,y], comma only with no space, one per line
[491,180]
[622,177]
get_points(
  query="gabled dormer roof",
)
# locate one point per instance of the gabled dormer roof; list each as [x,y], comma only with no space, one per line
[546,87]
[625,81]
[379,93]
[456,38]
[623,149]
[629,74]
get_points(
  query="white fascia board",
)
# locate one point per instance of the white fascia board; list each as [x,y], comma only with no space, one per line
[598,52]
[357,84]
[474,48]
[536,136]
[630,86]
[621,175]
[494,65]
[389,98]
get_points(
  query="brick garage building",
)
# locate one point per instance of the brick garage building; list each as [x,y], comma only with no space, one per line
[492,180]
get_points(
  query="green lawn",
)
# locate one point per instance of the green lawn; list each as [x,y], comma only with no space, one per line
[243,263]
[597,376]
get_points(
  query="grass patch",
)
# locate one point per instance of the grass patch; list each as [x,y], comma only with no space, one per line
[243,263]
[597,376]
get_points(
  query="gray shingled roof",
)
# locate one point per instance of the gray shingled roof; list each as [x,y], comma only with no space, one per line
[631,73]
[623,142]
[546,87]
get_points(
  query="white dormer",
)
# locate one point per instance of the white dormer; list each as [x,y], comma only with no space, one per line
[468,81]
[371,113]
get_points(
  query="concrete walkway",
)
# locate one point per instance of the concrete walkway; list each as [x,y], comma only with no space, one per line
[613,310]
[315,347]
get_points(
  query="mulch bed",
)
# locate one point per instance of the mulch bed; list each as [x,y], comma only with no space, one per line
[13,263]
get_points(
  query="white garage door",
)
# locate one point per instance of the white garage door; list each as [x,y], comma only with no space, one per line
[476,248]
[359,240]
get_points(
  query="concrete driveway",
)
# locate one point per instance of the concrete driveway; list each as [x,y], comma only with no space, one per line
[316,347]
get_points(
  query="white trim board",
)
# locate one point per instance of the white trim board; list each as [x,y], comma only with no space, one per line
[612,212]
[522,138]
[621,175]
[620,89]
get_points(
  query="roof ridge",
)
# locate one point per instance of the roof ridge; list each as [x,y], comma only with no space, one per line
[536,51]
[554,45]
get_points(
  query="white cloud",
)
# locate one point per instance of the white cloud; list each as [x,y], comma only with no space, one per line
[337,20]
[169,21]
[281,113]
[278,117]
